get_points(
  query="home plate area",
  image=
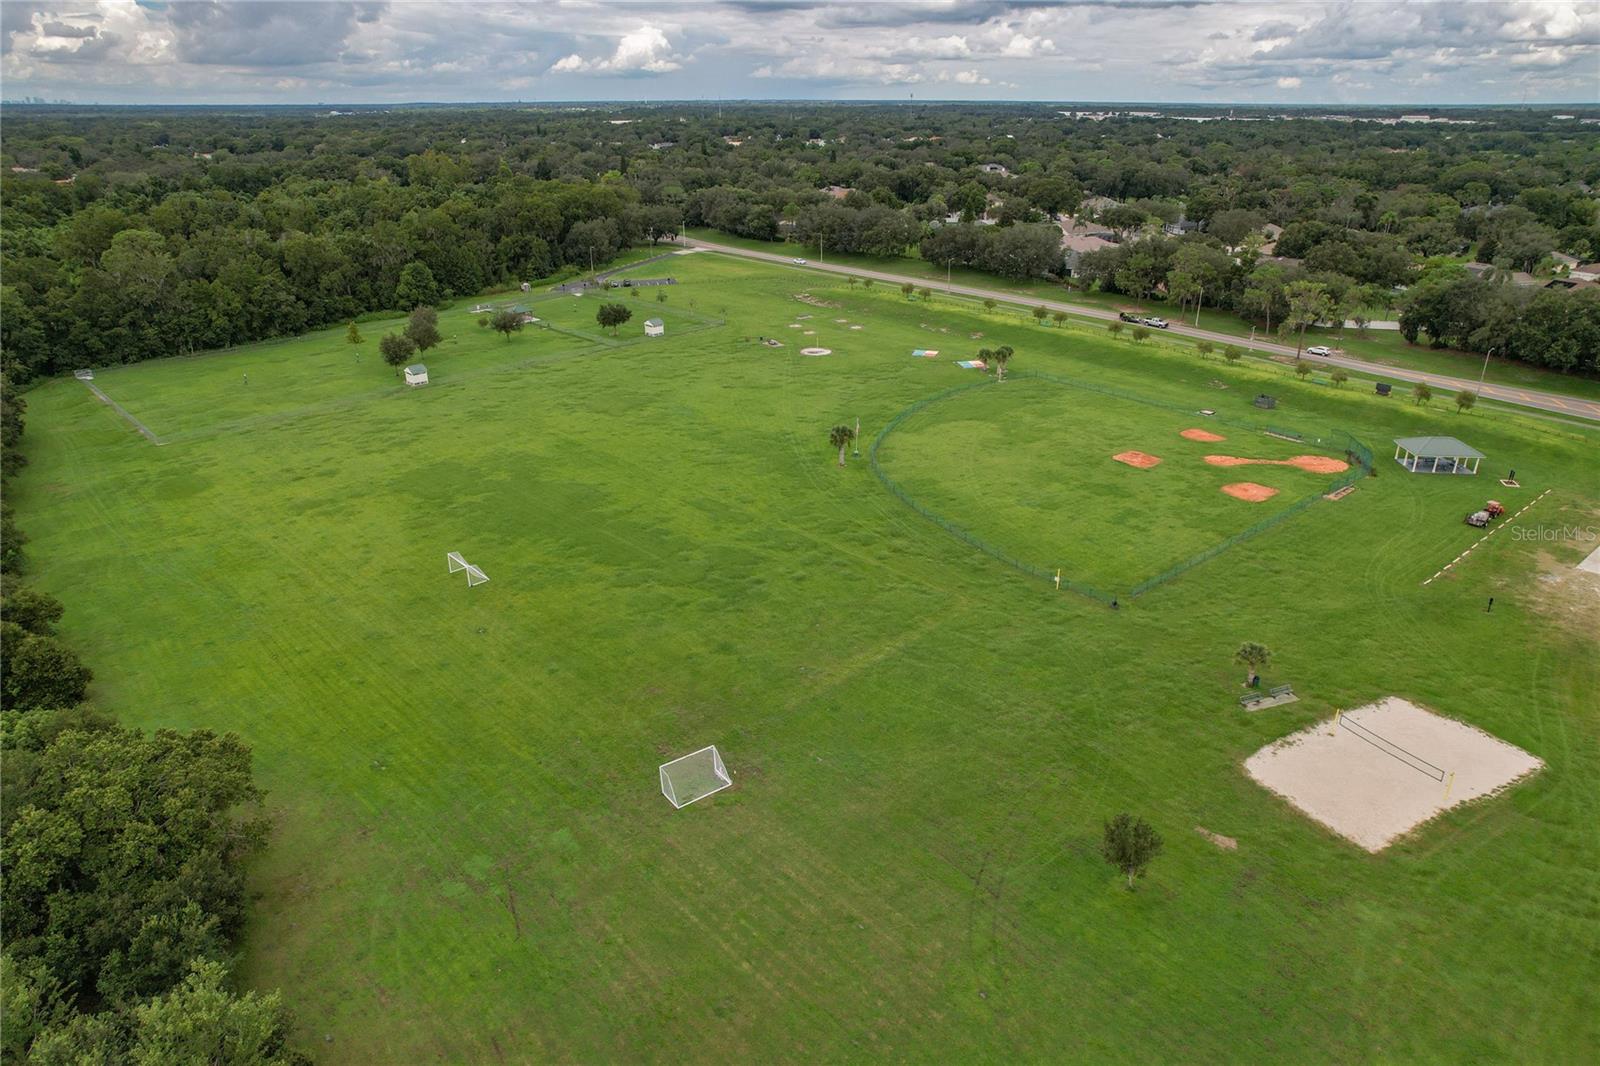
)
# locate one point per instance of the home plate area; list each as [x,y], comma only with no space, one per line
[1376,773]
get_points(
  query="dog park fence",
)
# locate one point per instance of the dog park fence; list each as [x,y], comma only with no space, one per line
[1357,454]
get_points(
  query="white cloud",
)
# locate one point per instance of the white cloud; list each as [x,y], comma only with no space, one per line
[1244,50]
[1022,46]
[644,51]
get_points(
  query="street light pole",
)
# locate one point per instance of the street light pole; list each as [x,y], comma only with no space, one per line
[1485,372]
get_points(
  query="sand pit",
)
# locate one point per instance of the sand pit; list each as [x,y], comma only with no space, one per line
[816,351]
[1138,459]
[1385,769]
[1201,435]
[1249,491]
[1316,464]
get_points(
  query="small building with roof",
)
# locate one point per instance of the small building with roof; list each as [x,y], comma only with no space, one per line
[416,374]
[654,327]
[1436,455]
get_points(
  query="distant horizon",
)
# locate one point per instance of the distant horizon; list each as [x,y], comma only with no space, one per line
[1555,105]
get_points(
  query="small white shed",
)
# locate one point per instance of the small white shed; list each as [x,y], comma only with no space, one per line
[416,374]
[654,327]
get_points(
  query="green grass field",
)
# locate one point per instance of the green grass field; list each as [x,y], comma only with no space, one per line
[1384,347]
[1027,465]
[472,860]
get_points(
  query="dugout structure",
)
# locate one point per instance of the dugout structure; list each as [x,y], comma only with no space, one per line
[693,777]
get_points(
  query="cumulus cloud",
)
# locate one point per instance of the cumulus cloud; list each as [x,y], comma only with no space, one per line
[644,51]
[1072,50]
[246,34]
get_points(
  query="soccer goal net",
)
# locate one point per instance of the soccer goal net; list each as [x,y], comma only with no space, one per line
[475,576]
[455,562]
[694,776]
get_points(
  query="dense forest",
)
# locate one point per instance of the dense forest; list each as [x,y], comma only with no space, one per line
[134,233]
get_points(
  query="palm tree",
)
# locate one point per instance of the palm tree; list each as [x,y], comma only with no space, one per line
[840,437]
[1254,656]
[1000,356]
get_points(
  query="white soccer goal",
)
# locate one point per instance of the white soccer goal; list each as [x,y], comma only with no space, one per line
[457,564]
[694,776]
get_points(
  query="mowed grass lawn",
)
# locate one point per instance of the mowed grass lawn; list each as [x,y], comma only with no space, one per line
[473,863]
[1028,465]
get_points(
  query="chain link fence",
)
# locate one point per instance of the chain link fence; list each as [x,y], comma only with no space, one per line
[1357,454]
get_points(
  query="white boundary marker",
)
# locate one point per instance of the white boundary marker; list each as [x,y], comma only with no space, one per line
[1487,535]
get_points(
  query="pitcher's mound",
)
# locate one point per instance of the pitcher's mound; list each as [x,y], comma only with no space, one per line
[1249,491]
[816,351]
[1138,459]
[1202,435]
[1376,773]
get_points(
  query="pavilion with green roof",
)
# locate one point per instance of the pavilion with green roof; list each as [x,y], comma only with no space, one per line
[1436,455]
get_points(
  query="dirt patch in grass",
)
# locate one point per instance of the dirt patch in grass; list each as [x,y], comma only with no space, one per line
[1225,843]
[1567,595]
[1249,491]
[1142,460]
[1315,464]
[1202,435]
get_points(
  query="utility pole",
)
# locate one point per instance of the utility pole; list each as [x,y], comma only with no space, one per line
[1485,372]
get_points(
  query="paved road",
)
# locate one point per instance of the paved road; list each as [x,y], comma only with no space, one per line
[1440,383]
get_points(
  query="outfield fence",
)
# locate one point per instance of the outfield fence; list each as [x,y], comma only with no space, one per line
[1356,453]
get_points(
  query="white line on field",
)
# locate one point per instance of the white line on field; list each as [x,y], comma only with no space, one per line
[1489,534]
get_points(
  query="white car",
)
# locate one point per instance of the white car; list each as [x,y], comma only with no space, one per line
[1156,323]
[1319,350]
[797,261]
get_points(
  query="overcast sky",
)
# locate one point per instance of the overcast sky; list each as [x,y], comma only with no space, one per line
[143,51]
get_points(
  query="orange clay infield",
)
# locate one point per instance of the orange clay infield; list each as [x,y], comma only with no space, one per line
[1316,464]
[1202,435]
[1138,459]
[1249,491]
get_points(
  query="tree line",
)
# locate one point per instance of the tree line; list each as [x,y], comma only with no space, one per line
[131,234]
[124,856]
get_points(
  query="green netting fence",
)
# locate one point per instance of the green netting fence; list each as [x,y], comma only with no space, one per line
[1357,454]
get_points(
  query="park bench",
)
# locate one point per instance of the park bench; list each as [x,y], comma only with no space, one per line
[1250,699]
[1279,691]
